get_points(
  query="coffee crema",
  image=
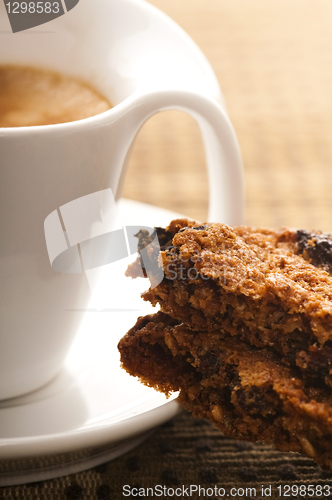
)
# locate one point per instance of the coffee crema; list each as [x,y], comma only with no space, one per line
[32,96]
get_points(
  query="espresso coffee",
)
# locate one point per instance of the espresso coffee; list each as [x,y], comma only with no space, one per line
[32,96]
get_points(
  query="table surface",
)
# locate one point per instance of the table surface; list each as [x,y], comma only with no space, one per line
[273,61]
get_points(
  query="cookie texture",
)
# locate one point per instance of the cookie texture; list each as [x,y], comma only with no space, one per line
[270,288]
[244,391]
[244,331]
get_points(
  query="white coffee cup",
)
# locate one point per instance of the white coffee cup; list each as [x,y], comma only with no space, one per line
[144,63]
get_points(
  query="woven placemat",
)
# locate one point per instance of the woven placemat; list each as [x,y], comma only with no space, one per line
[184,453]
[273,61]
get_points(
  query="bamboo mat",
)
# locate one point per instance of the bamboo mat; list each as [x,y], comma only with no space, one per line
[273,59]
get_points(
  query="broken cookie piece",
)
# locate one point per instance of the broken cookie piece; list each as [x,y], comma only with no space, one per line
[244,332]
[245,391]
[256,284]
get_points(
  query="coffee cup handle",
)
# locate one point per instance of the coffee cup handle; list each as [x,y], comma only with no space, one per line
[226,185]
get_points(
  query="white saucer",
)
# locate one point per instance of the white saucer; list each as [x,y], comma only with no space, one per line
[93,411]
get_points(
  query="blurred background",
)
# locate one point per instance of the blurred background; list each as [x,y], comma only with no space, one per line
[273,61]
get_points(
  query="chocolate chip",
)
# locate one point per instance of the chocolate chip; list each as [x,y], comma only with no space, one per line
[315,247]
[209,364]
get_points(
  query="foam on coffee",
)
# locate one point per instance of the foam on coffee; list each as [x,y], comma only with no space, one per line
[33,96]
